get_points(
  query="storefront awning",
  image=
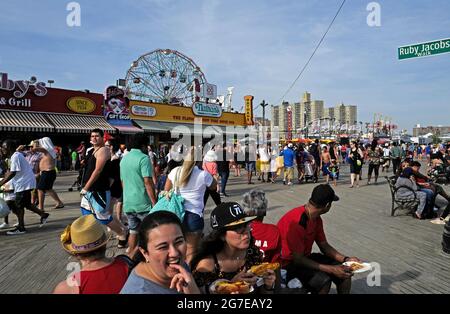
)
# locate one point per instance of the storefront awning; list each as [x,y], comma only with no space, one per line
[125,126]
[24,121]
[164,127]
[65,123]
[128,129]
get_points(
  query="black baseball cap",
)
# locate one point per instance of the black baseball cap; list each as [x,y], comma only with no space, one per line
[229,214]
[322,195]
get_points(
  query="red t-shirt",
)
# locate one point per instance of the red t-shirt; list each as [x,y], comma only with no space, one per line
[106,280]
[298,233]
[268,240]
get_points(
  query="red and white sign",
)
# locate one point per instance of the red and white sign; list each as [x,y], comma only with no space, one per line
[289,124]
[20,88]
[55,100]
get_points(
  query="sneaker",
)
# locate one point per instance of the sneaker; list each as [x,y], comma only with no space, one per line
[4,226]
[438,221]
[290,183]
[16,231]
[44,219]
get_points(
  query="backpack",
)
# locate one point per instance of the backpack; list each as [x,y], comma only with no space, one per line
[130,263]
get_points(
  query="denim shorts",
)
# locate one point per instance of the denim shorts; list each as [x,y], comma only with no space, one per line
[250,166]
[134,221]
[193,222]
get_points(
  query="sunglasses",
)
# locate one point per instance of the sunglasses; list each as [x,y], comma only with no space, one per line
[240,229]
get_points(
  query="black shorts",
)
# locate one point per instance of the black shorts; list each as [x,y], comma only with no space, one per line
[46,180]
[313,280]
[23,199]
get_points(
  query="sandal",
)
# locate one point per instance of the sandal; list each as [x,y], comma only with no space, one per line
[59,206]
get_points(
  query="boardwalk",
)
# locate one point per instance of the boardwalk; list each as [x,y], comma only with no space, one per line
[408,250]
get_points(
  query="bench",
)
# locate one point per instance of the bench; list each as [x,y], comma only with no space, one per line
[409,203]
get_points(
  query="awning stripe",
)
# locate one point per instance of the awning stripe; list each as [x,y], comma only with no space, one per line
[128,129]
[24,121]
[79,124]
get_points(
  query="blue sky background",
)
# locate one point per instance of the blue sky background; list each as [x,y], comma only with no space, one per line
[257,46]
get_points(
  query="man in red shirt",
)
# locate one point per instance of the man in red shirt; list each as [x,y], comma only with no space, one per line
[300,228]
[267,236]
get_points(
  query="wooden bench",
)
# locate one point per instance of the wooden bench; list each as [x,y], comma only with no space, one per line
[409,203]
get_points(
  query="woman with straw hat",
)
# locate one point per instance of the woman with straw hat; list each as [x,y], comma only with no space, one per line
[86,239]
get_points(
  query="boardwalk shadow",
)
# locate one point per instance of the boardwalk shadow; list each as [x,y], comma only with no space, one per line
[368,285]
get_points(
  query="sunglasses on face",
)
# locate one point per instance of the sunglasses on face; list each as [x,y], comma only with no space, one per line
[240,229]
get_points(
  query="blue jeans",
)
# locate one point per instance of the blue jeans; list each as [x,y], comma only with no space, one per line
[193,222]
[223,180]
[430,195]
[135,220]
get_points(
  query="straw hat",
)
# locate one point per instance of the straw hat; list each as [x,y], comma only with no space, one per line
[84,235]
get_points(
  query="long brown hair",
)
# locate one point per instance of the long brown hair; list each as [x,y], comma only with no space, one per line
[187,167]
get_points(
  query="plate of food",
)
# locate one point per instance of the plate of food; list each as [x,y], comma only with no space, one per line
[223,286]
[260,269]
[357,268]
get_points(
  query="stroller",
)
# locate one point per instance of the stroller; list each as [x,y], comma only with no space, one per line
[309,169]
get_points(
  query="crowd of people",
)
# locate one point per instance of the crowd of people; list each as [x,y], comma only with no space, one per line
[167,251]
[28,173]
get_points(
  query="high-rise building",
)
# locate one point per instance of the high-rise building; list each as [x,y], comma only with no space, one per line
[351,115]
[316,110]
[436,130]
[339,113]
[296,116]
[328,113]
[275,116]
[307,112]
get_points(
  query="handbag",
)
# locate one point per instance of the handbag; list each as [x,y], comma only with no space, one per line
[4,209]
[171,201]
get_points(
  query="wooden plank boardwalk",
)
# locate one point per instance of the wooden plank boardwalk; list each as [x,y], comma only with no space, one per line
[407,250]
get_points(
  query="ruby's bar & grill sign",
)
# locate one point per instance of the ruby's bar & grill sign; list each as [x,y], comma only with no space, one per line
[19,89]
[32,95]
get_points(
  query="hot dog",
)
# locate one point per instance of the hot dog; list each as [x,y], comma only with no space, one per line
[260,269]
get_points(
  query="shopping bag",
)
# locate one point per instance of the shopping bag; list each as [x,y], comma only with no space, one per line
[4,208]
[171,201]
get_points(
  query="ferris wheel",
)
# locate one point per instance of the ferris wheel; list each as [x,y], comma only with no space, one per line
[165,76]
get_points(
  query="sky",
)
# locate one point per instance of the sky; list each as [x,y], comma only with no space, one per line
[256,46]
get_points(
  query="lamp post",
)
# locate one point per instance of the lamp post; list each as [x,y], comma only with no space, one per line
[264,105]
[306,123]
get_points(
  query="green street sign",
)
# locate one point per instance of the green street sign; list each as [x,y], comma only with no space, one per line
[424,49]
